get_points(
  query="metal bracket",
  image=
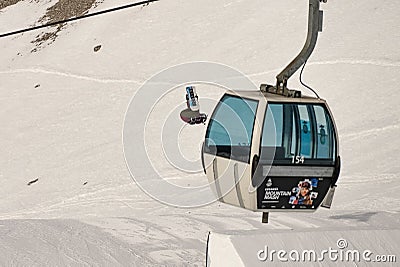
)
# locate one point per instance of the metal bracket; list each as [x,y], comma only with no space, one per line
[267,88]
[265,217]
[315,18]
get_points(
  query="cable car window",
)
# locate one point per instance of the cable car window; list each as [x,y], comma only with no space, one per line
[324,140]
[273,126]
[305,132]
[278,139]
[297,133]
[231,127]
[293,140]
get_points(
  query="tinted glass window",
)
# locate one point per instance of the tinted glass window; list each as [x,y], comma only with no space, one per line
[305,132]
[273,126]
[230,129]
[297,130]
[324,140]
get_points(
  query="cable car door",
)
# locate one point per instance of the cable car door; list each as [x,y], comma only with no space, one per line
[232,136]
[297,156]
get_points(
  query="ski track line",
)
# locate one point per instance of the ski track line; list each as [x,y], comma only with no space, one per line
[106,81]
[291,222]
[71,75]
[75,200]
[371,131]
[379,63]
[59,206]
[356,179]
[336,62]
[150,224]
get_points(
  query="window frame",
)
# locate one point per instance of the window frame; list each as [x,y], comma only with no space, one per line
[211,121]
[313,125]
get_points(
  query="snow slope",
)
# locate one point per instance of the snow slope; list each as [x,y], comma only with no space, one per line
[63,109]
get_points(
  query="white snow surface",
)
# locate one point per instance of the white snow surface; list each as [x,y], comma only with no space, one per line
[85,209]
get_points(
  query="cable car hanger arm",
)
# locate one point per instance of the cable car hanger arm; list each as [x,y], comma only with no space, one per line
[315,17]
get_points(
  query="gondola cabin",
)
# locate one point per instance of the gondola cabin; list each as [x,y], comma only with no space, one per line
[266,151]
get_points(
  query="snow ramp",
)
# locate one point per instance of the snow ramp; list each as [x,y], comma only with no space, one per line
[368,247]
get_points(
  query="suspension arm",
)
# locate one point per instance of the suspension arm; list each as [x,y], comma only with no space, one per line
[315,17]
